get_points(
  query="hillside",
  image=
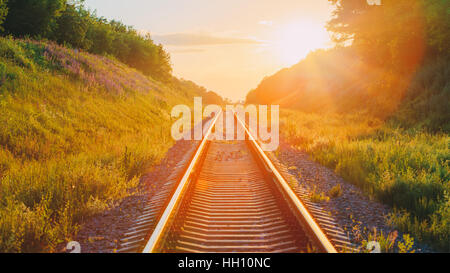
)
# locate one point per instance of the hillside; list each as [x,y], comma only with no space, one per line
[338,81]
[387,63]
[394,146]
[375,108]
[315,83]
[78,130]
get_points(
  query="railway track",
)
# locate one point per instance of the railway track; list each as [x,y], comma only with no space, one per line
[231,198]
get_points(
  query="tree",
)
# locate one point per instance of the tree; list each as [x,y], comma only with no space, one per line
[395,33]
[347,19]
[32,17]
[3,12]
[72,26]
[69,22]
[101,36]
[438,26]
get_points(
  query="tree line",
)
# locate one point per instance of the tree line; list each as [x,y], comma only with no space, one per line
[70,23]
[389,56]
[394,34]
[407,43]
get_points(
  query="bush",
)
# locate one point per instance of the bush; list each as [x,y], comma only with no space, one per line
[32,17]
[70,23]
[3,12]
[318,197]
[335,192]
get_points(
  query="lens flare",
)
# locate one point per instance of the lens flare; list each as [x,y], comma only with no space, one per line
[297,39]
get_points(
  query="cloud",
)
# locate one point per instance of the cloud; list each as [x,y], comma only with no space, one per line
[186,39]
[188,50]
[266,23]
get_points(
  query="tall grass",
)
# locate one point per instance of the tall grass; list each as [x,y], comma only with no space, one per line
[406,169]
[77,132]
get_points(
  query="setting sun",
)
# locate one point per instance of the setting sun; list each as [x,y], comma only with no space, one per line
[296,40]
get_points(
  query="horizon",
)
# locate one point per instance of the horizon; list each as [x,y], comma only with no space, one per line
[259,41]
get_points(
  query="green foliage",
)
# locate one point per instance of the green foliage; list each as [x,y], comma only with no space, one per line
[3,12]
[390,243]
[113,38]
[407,245]
[78,131]
[406,169]
[12,52]
[72,26]
[382,122]
[32,17]
[101,33]
[396,60]
[383,35]
[437,13]
[70,23]
[426,101]
[386,35]
[387,243]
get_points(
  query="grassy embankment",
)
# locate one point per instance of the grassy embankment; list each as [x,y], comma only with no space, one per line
[378,107]
[407,169]
[77,132]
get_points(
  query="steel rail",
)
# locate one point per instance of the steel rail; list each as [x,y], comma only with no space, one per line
[318,235]
[164,221]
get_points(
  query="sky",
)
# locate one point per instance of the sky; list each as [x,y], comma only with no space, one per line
[227,46]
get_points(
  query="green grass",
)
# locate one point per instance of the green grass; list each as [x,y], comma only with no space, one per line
[406,169]
[77,132]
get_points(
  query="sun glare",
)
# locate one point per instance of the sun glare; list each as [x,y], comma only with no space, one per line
[296,40]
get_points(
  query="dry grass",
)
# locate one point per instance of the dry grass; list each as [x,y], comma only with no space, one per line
[335,192]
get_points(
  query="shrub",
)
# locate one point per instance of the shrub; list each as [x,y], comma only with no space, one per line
[335,192]
[318,197]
